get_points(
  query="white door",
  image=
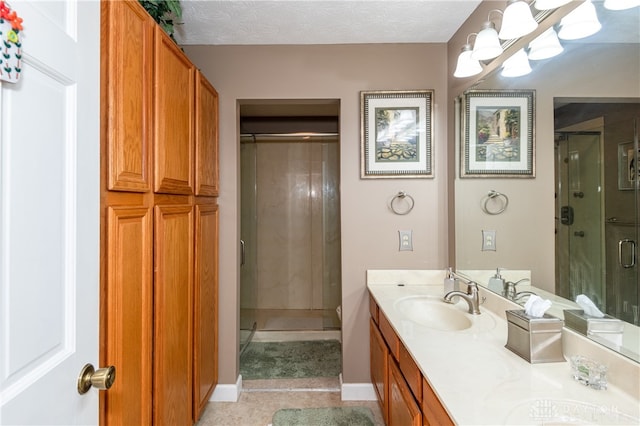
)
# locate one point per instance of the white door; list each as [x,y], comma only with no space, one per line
[49,216]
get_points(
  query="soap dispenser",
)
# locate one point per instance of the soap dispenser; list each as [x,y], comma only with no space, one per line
[450,283]
[496,282]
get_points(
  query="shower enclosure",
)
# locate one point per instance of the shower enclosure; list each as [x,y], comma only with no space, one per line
[290,230]
[598,206]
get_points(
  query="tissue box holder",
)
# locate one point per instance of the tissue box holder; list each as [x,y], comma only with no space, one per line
[588,325]
[537,340]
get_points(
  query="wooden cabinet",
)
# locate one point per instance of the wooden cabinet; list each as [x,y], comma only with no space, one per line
[379,364]
[128,319]
[434,414]
[205,372]
[404,395]
[206,132]
[127,87]
[159,232]
[173,313]
[173,117]
[403,409]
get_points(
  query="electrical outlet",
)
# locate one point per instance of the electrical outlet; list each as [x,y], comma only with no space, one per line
[406,243]
[488,240]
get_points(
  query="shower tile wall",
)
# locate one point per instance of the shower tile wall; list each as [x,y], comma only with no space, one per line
[290,226]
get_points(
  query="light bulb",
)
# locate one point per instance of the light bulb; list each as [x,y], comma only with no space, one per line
[517,65]
[467,66]
[580,22]
[487,45]
[545,46]
[517,20]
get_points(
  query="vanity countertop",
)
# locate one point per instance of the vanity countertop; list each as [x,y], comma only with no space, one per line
[479,381]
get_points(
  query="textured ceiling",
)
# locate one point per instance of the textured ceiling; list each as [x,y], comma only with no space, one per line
[232,22]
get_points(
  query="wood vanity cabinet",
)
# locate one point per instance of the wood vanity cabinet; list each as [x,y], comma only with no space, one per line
[404,395]
[379,364]
[159,224]
[403,408]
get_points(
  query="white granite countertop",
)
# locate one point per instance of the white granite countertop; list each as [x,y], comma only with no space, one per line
[479,381]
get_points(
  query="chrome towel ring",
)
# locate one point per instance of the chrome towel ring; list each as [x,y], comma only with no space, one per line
[495,203]
[402,203]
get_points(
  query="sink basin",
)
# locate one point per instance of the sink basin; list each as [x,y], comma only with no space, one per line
[432,312]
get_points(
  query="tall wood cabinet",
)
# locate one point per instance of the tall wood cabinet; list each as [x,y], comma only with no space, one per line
[159,224]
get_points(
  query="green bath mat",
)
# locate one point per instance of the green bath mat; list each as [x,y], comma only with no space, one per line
[332,416]
[292,360]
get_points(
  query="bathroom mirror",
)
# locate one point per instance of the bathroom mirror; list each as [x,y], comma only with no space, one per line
[573,227]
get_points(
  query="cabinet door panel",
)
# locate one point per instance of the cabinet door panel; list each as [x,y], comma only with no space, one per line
[173,123]
[205,306]
[433,411]
[127,78]
[128,315]
[173,297]
[411,372]
[379,363]
[403,409]
[206,137]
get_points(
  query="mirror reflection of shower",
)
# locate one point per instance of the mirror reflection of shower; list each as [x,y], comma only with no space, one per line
[290,219]
[598,204]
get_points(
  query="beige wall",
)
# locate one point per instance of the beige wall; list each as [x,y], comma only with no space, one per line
[369,228]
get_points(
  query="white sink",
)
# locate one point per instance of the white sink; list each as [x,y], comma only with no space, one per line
[433,312]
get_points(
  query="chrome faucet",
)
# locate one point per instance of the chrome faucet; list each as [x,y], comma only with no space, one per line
[472,296]
[509,290]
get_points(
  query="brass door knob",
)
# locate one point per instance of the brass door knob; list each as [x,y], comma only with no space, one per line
[101,379]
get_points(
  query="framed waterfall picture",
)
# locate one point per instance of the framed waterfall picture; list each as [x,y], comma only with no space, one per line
[498,134]
[396,134]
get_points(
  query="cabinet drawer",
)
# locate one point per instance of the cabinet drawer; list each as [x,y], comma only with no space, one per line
[373,309]
[433,413]
[389,335]
[411,373]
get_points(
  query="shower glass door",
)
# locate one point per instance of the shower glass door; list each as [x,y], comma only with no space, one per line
[580,229]
[598,215]
[622,229]
[248,235]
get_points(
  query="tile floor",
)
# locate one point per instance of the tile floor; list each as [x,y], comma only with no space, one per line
[260,399]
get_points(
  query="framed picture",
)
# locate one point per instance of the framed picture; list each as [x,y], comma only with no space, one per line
[396,134]
[498,134]
[628,170]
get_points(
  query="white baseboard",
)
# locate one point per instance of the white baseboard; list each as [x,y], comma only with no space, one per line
[357,391]
[226,392]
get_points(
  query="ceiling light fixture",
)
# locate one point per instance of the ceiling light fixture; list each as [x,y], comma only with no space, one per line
[545,46]
[467,66]
[621,4]
[580,22]
[487,45]
[517,65]
[549,4]
[517,20]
